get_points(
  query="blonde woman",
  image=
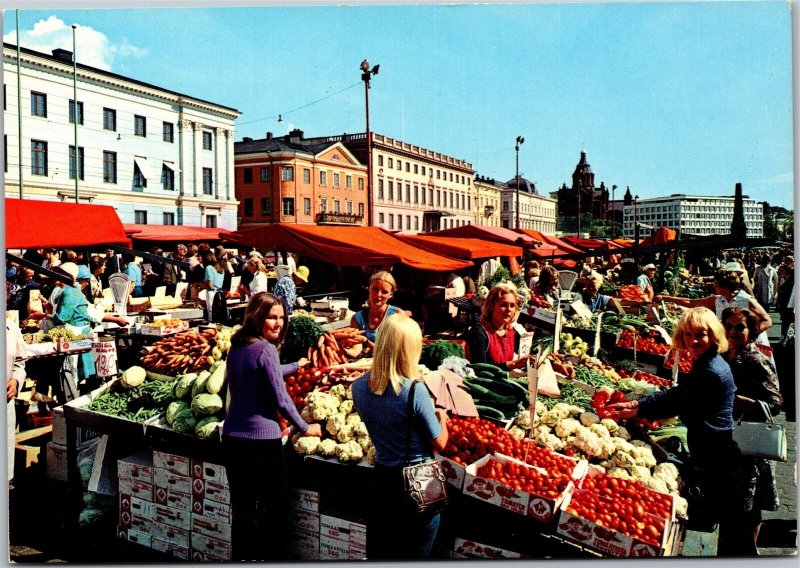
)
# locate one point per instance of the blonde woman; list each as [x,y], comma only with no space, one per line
[493,339]
[382,287]
[259,281]
[703,401]
[381,397]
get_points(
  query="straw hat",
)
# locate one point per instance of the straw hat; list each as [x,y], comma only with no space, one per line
[302,273]
[70,268]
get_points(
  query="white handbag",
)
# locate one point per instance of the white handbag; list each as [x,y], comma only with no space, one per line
[765,440]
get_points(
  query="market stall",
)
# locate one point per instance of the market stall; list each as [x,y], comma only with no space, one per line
[149,234]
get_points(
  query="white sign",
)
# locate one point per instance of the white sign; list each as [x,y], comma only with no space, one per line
[105,358]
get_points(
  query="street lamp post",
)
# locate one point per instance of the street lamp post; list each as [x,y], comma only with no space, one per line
[520,140]
[579,210]
[636,226]
[366,73]
[613,211]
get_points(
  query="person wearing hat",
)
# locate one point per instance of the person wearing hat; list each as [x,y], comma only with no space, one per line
[286,288]
[645,280]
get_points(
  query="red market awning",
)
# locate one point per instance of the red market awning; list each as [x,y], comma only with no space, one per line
[561,247]
[179,233]
[495,234]
[660,236]
[463,248]
[345,246]
[587,244]
[34,223]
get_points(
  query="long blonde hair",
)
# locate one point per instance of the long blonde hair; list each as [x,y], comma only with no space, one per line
[398,347]
[697,319]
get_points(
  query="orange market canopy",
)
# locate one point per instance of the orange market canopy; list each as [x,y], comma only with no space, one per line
[182,233]
[660,236]
[495,234]
[34,223]
[464,248]
[345,246]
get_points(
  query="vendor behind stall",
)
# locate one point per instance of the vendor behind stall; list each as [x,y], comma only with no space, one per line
[286,288]
[382,287]
[645,280]
[493,339]
[591,292]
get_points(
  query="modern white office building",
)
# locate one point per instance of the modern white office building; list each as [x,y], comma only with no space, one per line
[157,156]
[692,215]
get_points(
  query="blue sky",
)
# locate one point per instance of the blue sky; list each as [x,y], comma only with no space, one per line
[684,97]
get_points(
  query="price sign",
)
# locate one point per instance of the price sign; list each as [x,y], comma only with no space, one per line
[105,358]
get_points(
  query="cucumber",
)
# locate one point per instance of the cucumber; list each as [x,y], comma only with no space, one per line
[486,393]
[520,388]
[485,375]
[478,367]
[489,412]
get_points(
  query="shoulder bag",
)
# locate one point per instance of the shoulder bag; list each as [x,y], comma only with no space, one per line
[424,482]
[766,440]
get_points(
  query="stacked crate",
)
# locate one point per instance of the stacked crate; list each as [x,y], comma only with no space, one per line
[304,531]
[341,539]
[211,512]
[173,504]
[136,506]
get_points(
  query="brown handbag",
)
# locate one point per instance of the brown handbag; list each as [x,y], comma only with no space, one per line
[424,482]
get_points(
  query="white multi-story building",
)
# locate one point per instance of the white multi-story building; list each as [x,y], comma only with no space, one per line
[692,215]
[487,201]
[536,212]
[157,156]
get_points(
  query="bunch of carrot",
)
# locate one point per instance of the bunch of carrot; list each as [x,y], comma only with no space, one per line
[181,353]
[331,346]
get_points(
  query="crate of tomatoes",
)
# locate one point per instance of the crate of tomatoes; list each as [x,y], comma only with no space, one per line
[618,517]
[649,346]
[512,484]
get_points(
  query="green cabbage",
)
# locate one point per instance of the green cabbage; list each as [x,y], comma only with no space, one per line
[206,427]
[184,422]
[175,408]
[206,404]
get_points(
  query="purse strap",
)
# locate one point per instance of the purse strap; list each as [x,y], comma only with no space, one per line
[410,419]
[764,409]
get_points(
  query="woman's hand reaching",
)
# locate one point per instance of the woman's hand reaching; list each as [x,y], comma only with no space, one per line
[314,430]
[621,410]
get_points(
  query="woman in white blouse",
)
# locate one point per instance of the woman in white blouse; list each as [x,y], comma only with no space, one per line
[259,281]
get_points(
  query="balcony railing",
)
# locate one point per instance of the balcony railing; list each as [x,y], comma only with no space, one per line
[339,218]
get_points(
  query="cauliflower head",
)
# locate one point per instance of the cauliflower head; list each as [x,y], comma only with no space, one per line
[589,418]
[306,445]
[335,423]
[610,425]
[349,451]
[327,447]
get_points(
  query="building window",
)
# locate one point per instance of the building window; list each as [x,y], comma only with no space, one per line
[109,167]
[167,177]
[391,220]
[399,191]
[211,221]
[109,119]
[408,167]
[72,111]
[391,162]
[38,104]
[287,174]
[361,210]
[416,168]
[416,194]
[408,222]
[438,198]
[208,179]
[266,174]
[168,218]
[348,182]
[361,184]
[337,206]
[248,207]
[416,223]
[380,160]
[423,170]
[323,204]
[139,181]
[349,207]
[206,140]
[306,206]
[335,179]
[140,217]
[288,206]
[5,152]
[391,191]
[408,193]
[248,175]
[38,158]
[323,178]
[400,165]
[139,125]
[72,162]
[266,206]
[306,175]
[168,131]
[438,174]
[380,189]
[380,219]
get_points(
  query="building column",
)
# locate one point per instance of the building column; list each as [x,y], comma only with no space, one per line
[220,173]
[197,145]
[230,188]
[185,141]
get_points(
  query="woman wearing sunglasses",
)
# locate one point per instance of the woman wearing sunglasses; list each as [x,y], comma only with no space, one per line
[756,380]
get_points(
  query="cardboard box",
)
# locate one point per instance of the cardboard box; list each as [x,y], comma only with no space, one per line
[175,517]
[198,556]
[211,527]
[537,507]
[171,481]
[203,490]
[464,548]
[210,546]
[76,345]
[212,509]
[164,330]
[171,534]
[349,532]
[170,548]
[605,540]
[136,467]
[134,535]
[56,462]
[173,463]
[84,435]
[209,472]
[174,499]
[306,499]
[304,545]
[136,488]
[127,520]
[139,507]
[334,549]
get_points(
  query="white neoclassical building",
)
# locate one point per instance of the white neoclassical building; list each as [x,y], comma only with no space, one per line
[157,156]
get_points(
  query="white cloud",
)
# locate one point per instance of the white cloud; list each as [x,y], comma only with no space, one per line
[93,47]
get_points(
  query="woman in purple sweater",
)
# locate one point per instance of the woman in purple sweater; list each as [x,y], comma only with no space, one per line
[251,435]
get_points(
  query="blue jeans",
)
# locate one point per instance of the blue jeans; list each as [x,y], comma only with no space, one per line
[395,531]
